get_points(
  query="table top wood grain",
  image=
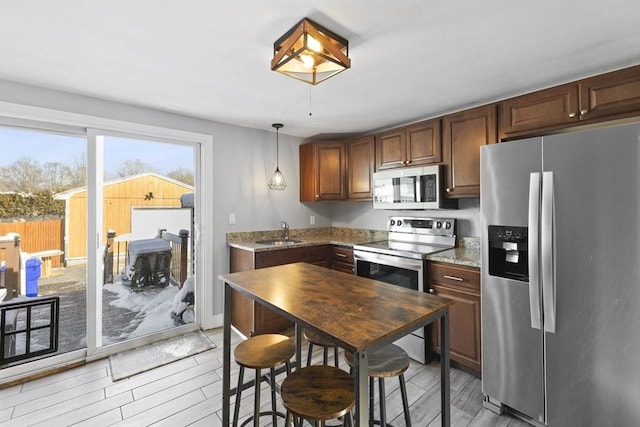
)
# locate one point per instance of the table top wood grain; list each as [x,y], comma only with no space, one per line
[355,312]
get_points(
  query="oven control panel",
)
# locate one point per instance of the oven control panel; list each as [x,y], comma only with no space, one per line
[416,225]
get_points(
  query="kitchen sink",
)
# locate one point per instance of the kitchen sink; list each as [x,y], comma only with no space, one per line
[282,242]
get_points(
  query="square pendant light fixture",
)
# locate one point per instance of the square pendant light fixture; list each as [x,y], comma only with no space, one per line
[310,53]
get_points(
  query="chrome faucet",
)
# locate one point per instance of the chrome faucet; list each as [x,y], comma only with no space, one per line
[285,230]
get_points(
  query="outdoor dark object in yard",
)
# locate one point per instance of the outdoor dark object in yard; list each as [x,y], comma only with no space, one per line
[28,328]
[183,303]
[148,263]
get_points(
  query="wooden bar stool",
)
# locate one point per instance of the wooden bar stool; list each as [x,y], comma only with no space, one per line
[262,352]
[319,340]
[387,362]
[317,394]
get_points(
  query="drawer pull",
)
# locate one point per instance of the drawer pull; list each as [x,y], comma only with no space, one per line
[457,279]
[340,255]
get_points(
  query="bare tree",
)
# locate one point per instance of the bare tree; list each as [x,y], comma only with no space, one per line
[133,167]
[182,175]
[55,177]
[78,171]
[23,175]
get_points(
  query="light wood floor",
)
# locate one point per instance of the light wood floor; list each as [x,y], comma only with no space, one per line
[189,393]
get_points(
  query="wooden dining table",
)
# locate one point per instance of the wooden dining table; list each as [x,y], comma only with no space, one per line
[357,314]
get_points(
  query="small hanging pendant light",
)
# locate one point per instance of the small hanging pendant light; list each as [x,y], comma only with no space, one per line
[277,180]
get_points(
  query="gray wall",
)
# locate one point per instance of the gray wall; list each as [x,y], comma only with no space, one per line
[361,215]
[242,161]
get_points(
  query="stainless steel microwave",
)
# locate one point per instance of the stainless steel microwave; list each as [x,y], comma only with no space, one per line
[411,188]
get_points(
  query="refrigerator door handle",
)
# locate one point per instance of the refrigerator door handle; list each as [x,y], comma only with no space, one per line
[547,243]
[534,277]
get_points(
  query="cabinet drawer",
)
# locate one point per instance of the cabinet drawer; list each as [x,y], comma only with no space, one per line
[453,275]
[342,254]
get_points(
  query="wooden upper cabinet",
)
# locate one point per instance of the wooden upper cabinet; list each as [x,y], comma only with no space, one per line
[424,143]
[462,136]
[550,107]
[322,171]
[413,145]
[360,164]
[611,95]
[605,97]
[391,149]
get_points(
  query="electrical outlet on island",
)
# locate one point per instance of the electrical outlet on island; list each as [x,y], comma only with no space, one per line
[312,220]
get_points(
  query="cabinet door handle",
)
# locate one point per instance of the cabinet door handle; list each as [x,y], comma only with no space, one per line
[448,190]
[341,255]
[572,115]
[457,279]
[583,112]
[431,291]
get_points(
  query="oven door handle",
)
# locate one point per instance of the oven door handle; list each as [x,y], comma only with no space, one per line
[393,261]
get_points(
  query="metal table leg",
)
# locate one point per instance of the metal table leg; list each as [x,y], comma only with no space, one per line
[361,376]
[226,357]
[444,370]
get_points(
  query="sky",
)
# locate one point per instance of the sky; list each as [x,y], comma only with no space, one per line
[48,147]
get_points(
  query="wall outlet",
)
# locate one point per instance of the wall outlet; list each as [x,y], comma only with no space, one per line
[312,219]
[232,218]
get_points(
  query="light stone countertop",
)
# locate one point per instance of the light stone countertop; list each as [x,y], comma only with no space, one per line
[467,253]
[309,237]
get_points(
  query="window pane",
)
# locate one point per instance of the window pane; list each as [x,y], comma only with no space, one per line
[147,228]
[39,171]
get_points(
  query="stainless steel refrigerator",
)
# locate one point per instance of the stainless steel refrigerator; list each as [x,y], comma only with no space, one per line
[561,278]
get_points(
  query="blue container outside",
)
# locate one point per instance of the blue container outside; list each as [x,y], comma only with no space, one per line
[33,274]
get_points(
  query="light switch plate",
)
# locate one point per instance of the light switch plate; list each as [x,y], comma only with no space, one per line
[232,218]
[312,219]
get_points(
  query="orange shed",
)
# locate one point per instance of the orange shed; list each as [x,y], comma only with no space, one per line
[119,197]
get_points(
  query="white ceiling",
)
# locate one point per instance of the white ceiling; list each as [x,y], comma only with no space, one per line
[410,59]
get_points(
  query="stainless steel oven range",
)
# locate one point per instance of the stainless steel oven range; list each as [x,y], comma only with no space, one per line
[401,261]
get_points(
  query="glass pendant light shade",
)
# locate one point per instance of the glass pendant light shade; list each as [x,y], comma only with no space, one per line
[277,181]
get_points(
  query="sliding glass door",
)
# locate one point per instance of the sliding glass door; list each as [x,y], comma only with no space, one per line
[146,232]
[99,226]
[39,169]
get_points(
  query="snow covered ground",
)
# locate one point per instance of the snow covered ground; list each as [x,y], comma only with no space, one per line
[155,308]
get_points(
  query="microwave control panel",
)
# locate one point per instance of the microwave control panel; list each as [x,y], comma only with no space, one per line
[430,186]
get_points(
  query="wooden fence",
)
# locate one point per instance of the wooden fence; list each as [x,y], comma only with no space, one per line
[38,236]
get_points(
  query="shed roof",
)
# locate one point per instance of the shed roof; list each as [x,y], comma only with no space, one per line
[66,195]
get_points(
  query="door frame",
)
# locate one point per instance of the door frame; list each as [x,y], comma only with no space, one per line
[203,211]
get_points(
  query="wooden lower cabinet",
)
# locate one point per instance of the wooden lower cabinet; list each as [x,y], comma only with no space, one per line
[247,315]
[462,285]
[342,259]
